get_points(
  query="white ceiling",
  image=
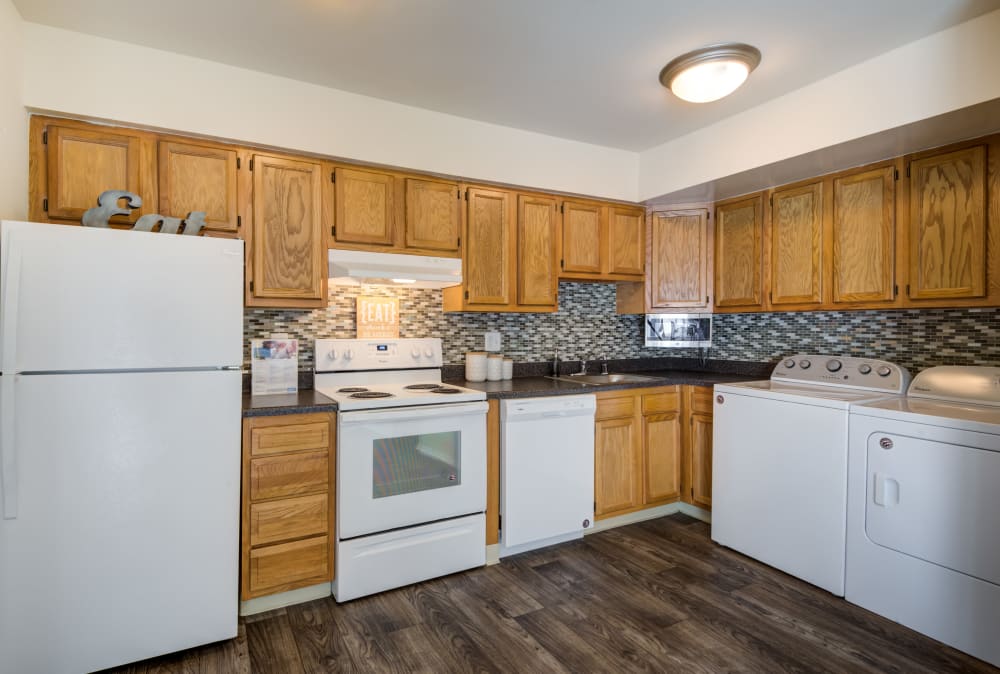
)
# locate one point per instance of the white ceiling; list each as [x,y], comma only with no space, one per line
[580,69]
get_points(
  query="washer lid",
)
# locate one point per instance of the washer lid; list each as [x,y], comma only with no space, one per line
[949,414]
[977,384]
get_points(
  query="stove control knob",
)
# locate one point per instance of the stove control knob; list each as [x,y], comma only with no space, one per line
[332,354]
[864,368]
[833,365]
[428,353]
[804,364]
[884,371]
[415,353]
[790,362]
[348,354]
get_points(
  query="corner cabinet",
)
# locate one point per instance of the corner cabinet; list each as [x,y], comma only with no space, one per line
[739,255]
[509,253]
[602,242]
[697,488]
[287,521]
[679,260]
[286,260]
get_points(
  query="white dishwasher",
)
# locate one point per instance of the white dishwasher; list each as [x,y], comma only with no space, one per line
[546,470]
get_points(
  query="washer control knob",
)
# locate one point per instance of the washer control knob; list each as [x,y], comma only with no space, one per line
[833,365]
[864,368]
[804,364]
[332,354]
[884,370]
[790,362]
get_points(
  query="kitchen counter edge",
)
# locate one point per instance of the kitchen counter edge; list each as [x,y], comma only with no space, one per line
[303,402]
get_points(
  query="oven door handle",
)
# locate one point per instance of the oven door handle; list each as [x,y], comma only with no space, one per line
[415,413]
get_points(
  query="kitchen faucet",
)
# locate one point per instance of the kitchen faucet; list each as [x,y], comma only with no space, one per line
[604,363]
[555,364]
[583,368]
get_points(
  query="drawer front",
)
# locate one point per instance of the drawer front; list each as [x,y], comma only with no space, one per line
[289,518]
[656,403]
[290,475]
[701,399]
[278,568]
[289,438]
[615,408]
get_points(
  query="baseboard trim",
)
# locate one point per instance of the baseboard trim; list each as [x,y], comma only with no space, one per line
[283,599]
[492,554]
[695,512]
[632,518]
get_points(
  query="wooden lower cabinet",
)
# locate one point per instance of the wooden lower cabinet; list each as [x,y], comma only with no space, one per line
[288,502]
[652,447]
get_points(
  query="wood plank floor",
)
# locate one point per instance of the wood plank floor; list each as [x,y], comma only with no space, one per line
[656,596]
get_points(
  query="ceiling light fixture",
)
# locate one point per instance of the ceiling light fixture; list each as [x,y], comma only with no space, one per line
[709,73]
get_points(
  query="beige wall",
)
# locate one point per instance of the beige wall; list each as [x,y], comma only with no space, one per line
[13,118]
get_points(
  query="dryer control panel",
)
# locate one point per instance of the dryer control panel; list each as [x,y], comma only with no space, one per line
[867,374]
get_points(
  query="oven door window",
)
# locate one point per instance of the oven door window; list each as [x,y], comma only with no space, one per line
[412,463]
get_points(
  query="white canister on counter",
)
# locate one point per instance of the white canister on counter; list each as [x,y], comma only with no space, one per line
[508,368]
[475,366]
[494,367]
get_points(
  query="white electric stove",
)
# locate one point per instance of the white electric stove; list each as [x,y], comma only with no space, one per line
[411,464]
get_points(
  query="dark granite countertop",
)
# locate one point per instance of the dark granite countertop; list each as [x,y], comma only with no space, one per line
[529,387]
[302,402]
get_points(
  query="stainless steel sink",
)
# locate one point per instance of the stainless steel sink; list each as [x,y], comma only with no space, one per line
[598,379]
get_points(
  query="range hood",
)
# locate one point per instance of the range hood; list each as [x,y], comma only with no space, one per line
[354,267]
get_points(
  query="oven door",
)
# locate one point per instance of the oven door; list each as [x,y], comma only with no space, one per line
[411,465]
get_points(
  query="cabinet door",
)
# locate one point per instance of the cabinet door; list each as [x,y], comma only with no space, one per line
[679,261]
[581,237]
[797,245]
[948,225]
[363,207]
[433,217]
[701,459]
[198,178]
[864,227]
[487,247]
[536,251]
[661,434]
[82,163]
[617,468]
[289,255]
[738,253]
[626,240]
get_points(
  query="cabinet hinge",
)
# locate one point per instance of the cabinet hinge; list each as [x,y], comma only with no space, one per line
[895,291]
[562,208]
[333,176]
[907,170]
[251,286]
[692,493]
[499,521]
[595,506]
[706,299]
[907,289]
[45,205]
[562,264]
[466,195]
[466,294]
[45,137]
[770,296]
[895,174]
[458,193]
[770,200]
[251,164]
[333,231]
[239,221]
[237,163]
[459,245]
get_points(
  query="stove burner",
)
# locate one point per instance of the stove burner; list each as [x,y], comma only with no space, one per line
[352,389]
[422,387]
[364,393]
[445,389]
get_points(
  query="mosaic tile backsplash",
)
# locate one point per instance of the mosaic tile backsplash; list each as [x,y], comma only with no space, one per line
[586,326]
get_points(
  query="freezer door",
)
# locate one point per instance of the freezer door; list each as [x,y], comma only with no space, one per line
[80,298]
[125,543]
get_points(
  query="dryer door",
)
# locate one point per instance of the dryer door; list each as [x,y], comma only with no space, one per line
[936,501]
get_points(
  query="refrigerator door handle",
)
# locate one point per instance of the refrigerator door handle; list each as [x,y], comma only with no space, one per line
[8,449]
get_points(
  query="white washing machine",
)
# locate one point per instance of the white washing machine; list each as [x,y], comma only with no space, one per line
[779,461]
[923,534]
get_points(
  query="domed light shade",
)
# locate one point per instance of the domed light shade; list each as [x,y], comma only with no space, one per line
[709,73]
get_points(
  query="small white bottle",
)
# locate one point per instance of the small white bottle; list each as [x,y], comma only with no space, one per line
[494,367]
[475,366]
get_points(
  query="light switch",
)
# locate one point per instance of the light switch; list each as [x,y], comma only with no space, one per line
[493,341]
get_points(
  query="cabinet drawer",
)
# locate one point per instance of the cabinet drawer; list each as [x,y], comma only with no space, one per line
[668,401]
[701,399]
[289,518]
[288,565]
[289,438]
[615,408]
[290,475]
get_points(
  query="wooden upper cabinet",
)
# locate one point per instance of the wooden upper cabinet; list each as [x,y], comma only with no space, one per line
[433,217]
[581,237]
[738,253]
[487,247]
[948,225]
[83,162]
[797,245]
[364,207]
[198,178]
[288,247]
[626,240]
[679,259]
[536,251]
[863,236]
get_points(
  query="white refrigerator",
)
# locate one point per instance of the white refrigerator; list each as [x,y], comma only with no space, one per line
[120,383]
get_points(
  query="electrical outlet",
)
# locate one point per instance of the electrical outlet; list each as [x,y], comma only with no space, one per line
[492,341]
